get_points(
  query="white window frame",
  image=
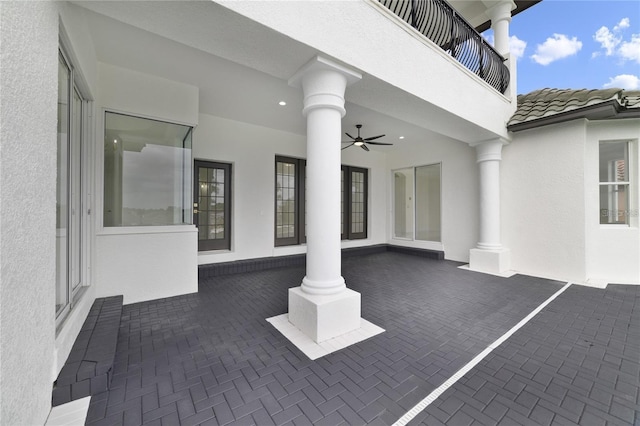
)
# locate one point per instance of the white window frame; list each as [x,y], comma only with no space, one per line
[632,200]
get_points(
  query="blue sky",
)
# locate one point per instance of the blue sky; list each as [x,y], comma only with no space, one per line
[576,44]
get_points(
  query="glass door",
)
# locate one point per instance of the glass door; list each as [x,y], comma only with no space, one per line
[69,190]
[62,188]
[212,205]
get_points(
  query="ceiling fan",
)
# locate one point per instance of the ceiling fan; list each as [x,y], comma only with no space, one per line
[359,141]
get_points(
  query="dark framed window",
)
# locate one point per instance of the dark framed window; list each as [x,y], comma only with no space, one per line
[212,205]
[289,201]
[354,203]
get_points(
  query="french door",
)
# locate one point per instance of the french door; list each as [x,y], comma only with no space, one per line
[212,205]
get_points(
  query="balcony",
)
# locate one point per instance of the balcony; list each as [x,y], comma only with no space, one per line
[441,23]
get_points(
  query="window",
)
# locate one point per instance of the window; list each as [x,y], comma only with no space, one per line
[290,203]
[614,182]
[354,203]
[416,207]
[212,205]
[69,188]
[147,172]
[290,227]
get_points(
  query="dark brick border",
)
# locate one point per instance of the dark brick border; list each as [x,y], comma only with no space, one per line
[265,263]
[429,254]
[87,370]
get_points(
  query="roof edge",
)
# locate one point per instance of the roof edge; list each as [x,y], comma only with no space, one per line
[610,109]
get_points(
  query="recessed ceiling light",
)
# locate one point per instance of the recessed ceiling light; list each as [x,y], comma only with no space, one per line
[401,137]
[282,103]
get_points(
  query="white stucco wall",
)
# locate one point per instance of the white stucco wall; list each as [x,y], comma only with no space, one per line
[147,265]
[251,150]
[613,251]
[133,92]
[543,201]
[143,263]
[459,187]
[28,117]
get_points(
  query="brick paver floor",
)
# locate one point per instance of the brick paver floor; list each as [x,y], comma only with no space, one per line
[211,358]
[577,362]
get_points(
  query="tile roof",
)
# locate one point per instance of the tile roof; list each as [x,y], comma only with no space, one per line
[536,107]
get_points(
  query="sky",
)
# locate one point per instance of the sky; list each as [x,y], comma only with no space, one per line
[577,44]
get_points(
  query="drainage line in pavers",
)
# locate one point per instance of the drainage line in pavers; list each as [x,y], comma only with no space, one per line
[419,407]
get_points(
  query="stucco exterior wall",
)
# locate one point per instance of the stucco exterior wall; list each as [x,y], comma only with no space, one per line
[459,192]
[543,201]
[550,204]
[28,117]
[251,150]
[613,251]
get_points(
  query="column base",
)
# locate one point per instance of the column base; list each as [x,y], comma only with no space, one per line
[323,317]
[495,261]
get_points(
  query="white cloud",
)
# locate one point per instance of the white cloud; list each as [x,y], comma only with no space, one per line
[612,42]
[607,40]
[557,47]
[517,46]
[630,50]
[624,81]
[624,23]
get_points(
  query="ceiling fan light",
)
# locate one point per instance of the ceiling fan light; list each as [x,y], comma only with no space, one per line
[358,143]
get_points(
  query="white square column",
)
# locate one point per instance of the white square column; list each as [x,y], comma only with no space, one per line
[323,317]
[496,261]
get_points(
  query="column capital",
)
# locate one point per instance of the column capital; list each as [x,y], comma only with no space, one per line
[490,150]
[501,10]
[323,82]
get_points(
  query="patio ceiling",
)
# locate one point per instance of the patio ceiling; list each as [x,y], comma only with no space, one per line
[242,69]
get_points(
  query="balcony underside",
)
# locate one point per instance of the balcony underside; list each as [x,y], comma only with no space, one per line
[241,54]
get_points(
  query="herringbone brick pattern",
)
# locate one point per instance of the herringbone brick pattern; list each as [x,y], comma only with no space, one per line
[576,363]
[211,358]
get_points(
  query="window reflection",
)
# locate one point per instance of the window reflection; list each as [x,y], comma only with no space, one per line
[147,172]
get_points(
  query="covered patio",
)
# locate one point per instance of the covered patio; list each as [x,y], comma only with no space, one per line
[212,358]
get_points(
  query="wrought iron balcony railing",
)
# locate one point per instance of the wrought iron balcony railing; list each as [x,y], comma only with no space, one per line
[440,23]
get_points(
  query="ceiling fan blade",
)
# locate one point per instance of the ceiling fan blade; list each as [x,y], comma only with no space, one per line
[379,143]
[373,137]
[350,136]
[345,147]
[364,147]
